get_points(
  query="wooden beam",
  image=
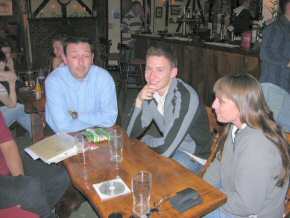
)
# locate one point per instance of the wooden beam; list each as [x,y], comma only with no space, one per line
[85,6]
[40,7]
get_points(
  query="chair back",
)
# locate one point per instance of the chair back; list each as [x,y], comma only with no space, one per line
[287,200]
[278,101]
[215,128]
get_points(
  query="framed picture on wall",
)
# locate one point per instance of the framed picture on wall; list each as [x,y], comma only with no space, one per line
[175,10]
[6,8]
[158,12]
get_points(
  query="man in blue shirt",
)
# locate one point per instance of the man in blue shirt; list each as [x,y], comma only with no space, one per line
[79,95]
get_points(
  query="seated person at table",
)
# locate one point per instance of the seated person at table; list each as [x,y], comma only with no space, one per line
[11,110]
[32,185]
[252,164]
[79,95]
[174,107]
[58,53]
[6,49]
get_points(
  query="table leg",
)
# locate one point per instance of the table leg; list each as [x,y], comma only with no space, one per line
[37,126]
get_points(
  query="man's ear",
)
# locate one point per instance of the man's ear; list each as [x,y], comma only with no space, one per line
[174,72]
[92,58]
[63,56]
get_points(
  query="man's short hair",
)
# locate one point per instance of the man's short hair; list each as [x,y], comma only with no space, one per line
[77,40]
[163,52]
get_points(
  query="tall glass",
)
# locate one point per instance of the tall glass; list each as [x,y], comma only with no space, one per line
[141,191]
[116,147]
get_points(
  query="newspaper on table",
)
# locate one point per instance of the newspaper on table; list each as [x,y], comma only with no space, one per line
[53,149]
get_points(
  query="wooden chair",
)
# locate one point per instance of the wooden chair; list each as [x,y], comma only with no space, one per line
[132,70]
[287,200]
[287,205]
[215,129]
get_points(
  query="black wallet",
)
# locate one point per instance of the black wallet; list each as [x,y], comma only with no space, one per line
[185,199]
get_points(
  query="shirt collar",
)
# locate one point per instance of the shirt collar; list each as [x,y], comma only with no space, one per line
[160,100]
[75,80]
[235,130]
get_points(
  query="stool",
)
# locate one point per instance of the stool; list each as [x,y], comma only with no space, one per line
[133,73]
[113,67]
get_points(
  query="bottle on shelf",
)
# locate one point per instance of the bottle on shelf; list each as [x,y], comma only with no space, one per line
[38,90]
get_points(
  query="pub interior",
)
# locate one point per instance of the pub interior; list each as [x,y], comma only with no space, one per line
[205,41]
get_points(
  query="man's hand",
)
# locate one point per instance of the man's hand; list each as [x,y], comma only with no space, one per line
[145,94]
[288,64]
[73,114]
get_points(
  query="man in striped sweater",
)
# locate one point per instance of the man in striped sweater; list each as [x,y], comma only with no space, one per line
[176,110]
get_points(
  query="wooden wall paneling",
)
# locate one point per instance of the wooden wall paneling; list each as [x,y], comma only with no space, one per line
[43,30]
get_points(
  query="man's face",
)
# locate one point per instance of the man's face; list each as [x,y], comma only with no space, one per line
[159,72]
[79,59]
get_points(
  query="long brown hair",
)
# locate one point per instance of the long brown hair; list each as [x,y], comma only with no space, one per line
[245,91]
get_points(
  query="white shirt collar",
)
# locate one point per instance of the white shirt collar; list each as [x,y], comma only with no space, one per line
[160,101]
[235,129]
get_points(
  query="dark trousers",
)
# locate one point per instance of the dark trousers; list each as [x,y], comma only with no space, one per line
[38,191]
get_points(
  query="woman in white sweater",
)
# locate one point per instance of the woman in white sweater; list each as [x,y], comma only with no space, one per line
[252,163]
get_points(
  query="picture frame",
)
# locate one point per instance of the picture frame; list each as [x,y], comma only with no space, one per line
[6,8]
[158,12]
[175,10]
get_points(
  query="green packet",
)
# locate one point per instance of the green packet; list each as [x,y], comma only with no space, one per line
[97,135]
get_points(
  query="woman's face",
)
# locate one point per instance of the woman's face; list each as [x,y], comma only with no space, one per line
[57,48]
[226,110]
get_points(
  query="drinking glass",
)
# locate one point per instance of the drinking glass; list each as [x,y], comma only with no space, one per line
[116,147]
[81,148]
[80,143]
[141,191]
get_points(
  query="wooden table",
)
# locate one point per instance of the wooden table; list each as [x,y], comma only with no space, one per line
[168,178]
[36,109]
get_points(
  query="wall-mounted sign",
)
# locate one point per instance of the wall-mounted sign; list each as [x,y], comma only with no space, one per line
[6,8]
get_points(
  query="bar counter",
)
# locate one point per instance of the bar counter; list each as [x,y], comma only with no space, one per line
[201,64]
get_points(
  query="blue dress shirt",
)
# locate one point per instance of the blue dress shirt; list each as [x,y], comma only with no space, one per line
[93,98]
